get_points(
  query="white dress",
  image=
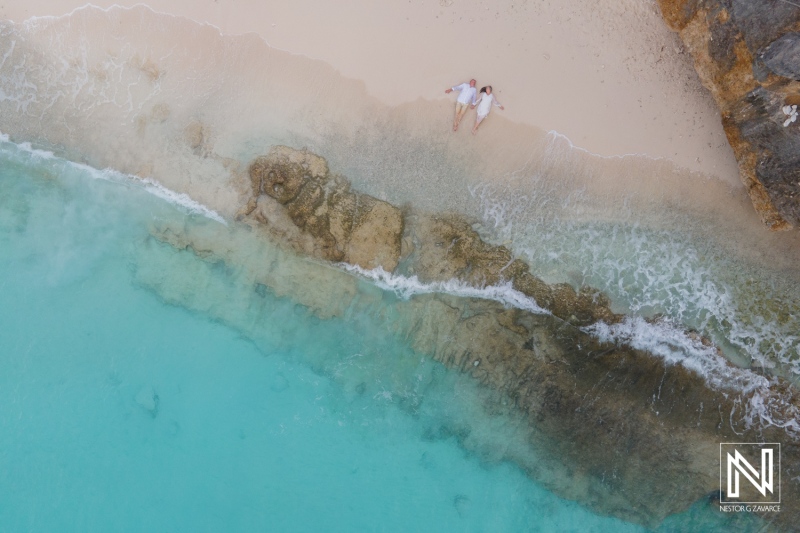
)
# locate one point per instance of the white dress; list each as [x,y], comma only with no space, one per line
[484,104]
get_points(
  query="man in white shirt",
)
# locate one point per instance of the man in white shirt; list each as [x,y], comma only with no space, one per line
[466,98]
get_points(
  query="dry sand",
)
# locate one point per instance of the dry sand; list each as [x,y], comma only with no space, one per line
[607,74]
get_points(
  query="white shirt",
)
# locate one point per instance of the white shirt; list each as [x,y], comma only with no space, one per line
[467,95]
[485,103]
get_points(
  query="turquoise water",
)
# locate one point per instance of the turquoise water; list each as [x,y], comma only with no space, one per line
[120,412]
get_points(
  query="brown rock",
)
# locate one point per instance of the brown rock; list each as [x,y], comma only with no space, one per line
[375,238]
[446,247]
[748,55]
[613,427]
[344,226]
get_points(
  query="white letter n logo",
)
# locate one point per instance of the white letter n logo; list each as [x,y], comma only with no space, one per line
[738,464]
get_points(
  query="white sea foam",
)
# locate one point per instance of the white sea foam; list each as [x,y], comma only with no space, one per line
[406,287]
[34,152]
[765,408]
[662,338]
[756,404]
[671,343]
[647,271]
[181,200]
[75,83]
[554,136]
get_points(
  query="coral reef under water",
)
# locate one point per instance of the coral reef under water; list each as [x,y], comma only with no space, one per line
[621,429]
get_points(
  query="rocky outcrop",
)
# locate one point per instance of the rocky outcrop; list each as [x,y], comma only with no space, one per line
[598,410]
[446,247]
[298,200]
[295,199]
[607,425]
[748,55]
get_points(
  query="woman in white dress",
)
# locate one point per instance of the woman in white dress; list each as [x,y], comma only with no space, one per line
[484,103]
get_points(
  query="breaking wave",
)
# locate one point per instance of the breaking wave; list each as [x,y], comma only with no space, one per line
[181,200]
[749,312]
[759,403]
[406,287]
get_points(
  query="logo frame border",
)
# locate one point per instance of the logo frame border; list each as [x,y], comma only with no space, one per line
[760,444]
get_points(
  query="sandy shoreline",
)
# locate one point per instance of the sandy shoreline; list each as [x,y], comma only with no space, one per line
[612,79]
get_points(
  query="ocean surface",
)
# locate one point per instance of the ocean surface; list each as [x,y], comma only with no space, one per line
[146,387]
[121,412]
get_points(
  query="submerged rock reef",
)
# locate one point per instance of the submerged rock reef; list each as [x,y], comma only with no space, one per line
[296,200]
[614,427]
[748,55]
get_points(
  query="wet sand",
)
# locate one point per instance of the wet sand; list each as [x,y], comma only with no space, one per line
[611,77]
[164,97]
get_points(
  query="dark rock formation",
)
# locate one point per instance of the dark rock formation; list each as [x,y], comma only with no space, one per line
[330,222]
[446,247]
[295,199]
[612,427]
[625,433]
[747,54]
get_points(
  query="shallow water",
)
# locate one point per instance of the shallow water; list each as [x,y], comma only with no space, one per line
[124,412]
[676,267]
[190,108]
[121,412]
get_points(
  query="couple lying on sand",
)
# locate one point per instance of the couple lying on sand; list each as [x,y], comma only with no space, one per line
[468,97]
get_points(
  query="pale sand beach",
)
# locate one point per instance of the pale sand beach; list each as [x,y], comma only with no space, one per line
[607,75]
[602,107]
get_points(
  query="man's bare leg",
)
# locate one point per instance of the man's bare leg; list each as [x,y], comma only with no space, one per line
[459,116]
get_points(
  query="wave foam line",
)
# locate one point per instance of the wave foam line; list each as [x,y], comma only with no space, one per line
[406,287]
[554,135]
[674,346]
[178,198]
[661,339]
[764,409]
[760,405]
[181,200]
